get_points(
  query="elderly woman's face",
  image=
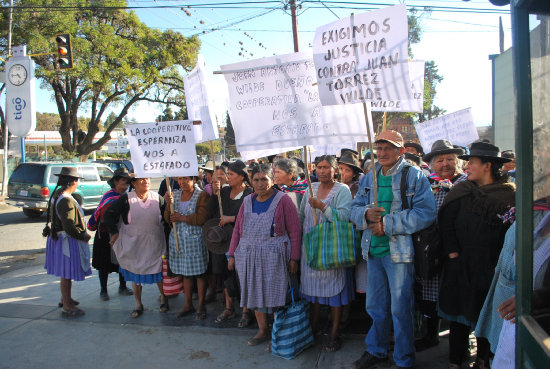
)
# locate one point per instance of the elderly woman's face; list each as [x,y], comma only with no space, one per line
[282,177]
[121,184]
[186,184]
[261,183]
[445,166]
[142,184]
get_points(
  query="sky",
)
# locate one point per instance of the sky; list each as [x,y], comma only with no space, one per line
[459,42]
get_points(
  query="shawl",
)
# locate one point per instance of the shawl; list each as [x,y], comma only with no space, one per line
[108,198]
[487,201]
[300,186]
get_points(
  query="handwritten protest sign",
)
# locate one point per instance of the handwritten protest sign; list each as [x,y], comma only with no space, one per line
[458,128]
[363,57]
[256,154]
[416,103]
[198,103]
[274,104]
[163,149]
[333,149]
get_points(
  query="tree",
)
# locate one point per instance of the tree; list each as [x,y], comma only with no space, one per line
[47,122]
[119,61]
[110,119]
[431,79]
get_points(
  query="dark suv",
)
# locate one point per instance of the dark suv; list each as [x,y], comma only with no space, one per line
[114,164]
[31,185]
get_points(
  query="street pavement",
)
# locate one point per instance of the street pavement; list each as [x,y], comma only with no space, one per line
[33,333]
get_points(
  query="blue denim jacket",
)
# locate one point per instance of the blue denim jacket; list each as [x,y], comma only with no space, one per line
[399,224]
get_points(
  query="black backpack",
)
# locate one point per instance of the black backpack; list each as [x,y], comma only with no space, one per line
[426,242]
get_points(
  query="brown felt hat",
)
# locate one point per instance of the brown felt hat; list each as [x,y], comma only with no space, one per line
[119,173]
[68,172]
[351,158]
[216,238]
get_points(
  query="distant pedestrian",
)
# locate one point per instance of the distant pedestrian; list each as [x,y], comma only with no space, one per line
[388,247]
[333,287]
[139,242]
[265,248]
[189,256]
[103,256]
[472,236]
[67,249]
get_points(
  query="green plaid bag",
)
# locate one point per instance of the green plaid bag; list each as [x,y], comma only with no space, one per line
[332,245]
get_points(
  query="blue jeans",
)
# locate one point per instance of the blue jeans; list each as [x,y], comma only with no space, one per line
[390,288]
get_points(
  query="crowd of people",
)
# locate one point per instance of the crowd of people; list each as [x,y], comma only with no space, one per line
[239,230]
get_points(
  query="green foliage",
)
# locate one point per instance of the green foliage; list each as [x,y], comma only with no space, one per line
[204,148]
[229,132]
[119,61]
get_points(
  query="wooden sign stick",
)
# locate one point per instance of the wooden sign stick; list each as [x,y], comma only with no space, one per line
[171,208]
[373,166]
[215,178]
[308,179]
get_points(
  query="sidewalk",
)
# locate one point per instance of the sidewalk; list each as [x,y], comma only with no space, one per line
[33,333]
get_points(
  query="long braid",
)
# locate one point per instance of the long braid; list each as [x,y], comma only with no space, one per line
[63,183]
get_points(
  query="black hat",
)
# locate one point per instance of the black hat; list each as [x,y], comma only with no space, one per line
[486,151]
[119,173]
[351,158]
[216,238]
[68,172]
[239,167]
[442,147]
[508,154]
[413,157]
[418,148]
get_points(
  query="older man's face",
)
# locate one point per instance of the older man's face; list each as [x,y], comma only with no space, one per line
[445,166]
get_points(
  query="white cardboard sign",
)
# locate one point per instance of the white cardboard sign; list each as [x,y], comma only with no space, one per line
[274,105]
[363,58]
[198,103]
[163,149]
[333,149]
[416,103]
[457,127]
[248,155]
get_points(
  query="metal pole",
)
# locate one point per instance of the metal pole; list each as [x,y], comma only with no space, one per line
[6,135]
[23,152]
[45,148]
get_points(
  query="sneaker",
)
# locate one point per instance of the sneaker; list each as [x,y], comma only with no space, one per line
[125,291]
[367,360]
[104,296]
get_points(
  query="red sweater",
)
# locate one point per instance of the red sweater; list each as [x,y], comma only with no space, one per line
[286,222]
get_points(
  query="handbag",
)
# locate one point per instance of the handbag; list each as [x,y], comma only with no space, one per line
[426,242]
[332,245]
[291,333]
[170,285]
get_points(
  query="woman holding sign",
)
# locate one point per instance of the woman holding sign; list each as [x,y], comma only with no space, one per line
[189,257]
[140,242]
[333,287]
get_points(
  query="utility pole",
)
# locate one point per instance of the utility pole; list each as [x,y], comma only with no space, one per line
[294,25]
[6,135]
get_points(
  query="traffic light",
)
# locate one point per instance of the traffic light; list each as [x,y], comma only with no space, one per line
[64,51]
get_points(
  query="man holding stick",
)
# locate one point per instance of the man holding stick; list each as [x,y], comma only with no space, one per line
[388,248]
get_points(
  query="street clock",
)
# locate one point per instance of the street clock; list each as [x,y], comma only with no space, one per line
[17,74]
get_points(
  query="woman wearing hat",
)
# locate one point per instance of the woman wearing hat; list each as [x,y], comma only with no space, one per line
[102,250]
[265,248]
[349,170]
[232,197]
[67,249]
[333,287]
[472,235]
[139,242]
[189,257]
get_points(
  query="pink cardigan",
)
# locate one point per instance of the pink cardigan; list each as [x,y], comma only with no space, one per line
[286,222]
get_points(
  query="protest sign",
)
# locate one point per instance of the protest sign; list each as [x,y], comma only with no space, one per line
[256,154]
[163,149]
[198,104]
[274,104]
[458,128]
[333,149]
[363,57]
[416,103]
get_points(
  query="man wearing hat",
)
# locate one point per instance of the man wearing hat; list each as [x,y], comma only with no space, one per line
[472,235]
[388,248]
[444,164]
[416,149]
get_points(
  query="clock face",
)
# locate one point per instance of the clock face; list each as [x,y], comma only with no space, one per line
[17,75]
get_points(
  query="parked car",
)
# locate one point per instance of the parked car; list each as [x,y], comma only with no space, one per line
[114,164]
[31,185]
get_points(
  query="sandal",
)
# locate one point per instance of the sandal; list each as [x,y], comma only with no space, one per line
[201,314]
[225,315]
[333,345]
[164,307]
[136,313]
[72,313]
[74,302]
[183,313]
[254,341]
[246,319]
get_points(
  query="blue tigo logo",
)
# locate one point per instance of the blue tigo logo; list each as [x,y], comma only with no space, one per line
[19,105]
